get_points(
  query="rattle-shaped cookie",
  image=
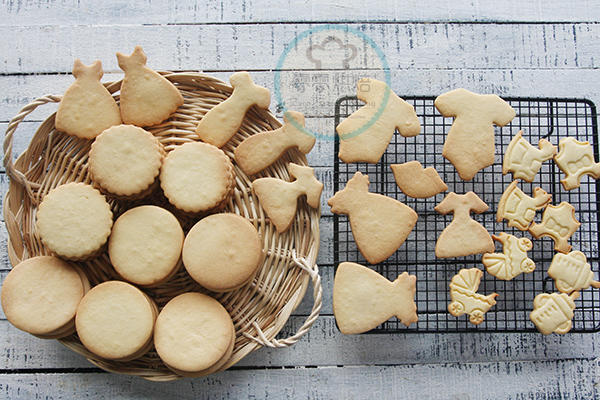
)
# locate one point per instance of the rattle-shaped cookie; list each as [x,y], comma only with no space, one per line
[363,299]
[518,208]
[222,121]
[379,223]
[366,133]
[416,181]
[576,159]
[572,272]
[512,261]
[464,296]
[259,151]
[524,160]
[559,223]
[279,198]
[553,312]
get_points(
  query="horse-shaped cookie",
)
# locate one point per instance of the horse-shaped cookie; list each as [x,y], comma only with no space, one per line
[518,208]
[524,160]
[416,181]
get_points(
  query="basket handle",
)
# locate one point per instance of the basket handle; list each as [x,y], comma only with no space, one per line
[310,320]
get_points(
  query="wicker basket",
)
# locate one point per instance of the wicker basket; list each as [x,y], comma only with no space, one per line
[259,309]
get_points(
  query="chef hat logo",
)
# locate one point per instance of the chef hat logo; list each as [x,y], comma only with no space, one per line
[331,51]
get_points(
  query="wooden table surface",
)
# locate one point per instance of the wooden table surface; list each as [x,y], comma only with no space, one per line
[513,48]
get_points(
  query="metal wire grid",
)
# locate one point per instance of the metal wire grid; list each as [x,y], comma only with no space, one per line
[548,118]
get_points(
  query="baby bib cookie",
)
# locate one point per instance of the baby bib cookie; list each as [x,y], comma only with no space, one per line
[463,236]
[147,98]
[40,296]
[518,208]
[87,108]
[512,261]
[469,145]
[524,160]
[366,133]
[197,177]
[222,252]
[145,245]
[464,296]
[259,151]
[416,181]
[379,223]
[559,223]
[223,121]
[363,299]
[576,159]
[125,160]
[74,221]
[571,272]
[553,312]
[279,198]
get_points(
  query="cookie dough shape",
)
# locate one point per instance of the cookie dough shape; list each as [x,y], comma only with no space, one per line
[524,160]
[512,261]
[259,151]
[147,98]
[379,223]
[279,198]
[87,108]
[464,236]
[572,272]
[223,121]
[415,181]
[464,296]
[576,159]
[74,221]
[518,208]
[366,133]
[553,312]
[559,223]
[469,145]
[363,299]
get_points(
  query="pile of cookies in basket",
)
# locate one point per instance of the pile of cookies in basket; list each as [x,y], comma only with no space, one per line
[363,299]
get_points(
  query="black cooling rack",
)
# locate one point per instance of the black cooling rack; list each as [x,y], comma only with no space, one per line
[550,118]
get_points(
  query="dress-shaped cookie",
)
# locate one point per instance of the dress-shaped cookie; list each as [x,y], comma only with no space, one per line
[518,208]
[559,223]
[366,133]
[363,299]
[379,223]
[147,98]
[524,160]
[464,235]
[469,145]
[572,272]
[416,181]
[464,296]
[552,313]
[279,198]
[87,108]
[576,159]
[512,261]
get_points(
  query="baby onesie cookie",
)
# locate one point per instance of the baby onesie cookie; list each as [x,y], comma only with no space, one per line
[518,208]
[576,159]
[559,223]
[87,108]
[469,145]
[379,223]
[74,221]
[363,299]
[197,177]
[145,245]
[524,160]
[512,261]
[259,151]
[464,236]
[464,296]
[572,272]
[223,121]
[417,182]
[553,312]
[222,252]
[366,133]
[125,160]
[147,98]
[279,198]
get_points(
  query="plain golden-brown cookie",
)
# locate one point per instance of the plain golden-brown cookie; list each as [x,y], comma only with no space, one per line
[416,181]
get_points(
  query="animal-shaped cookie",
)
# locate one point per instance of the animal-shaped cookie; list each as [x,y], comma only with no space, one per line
[572,272]
[259,151]
[524,160]
[87,108]
[363,299]
[512,261]
[279,198]
[147,98]
[553,312]
[222,121]
[417,182]
[379,223]
[576,159]
[559,223]
[464,296]
[518,208]
[366,133]
[464,235]
[469,145]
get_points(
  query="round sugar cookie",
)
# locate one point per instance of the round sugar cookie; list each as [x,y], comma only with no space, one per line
[197,177]
[145,245]
[115,320]
[74,221]
[194,334]
[40,295]
[125,160]
[222,252]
